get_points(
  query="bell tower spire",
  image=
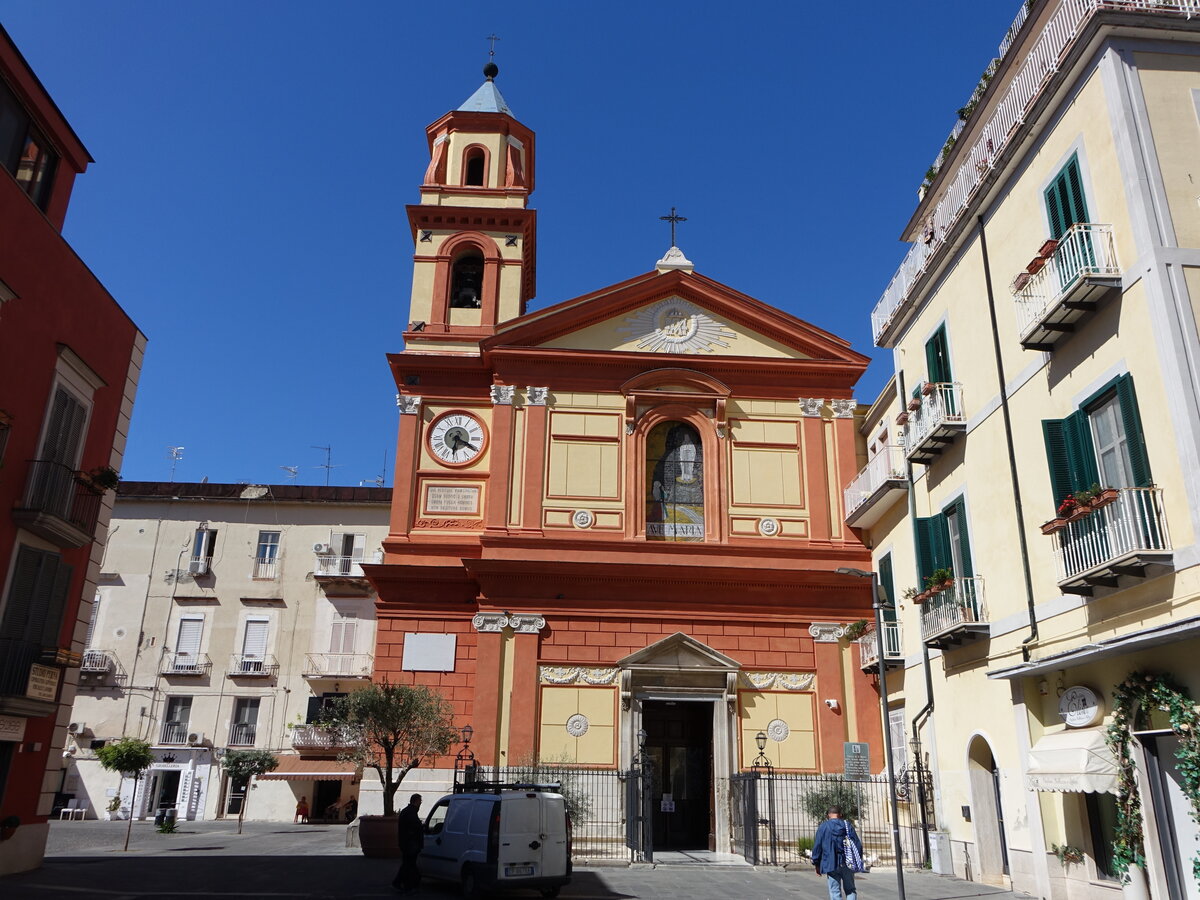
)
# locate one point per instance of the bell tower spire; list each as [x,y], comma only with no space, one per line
[473,231]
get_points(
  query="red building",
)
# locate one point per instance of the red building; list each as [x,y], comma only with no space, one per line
[69,364]
[620,513]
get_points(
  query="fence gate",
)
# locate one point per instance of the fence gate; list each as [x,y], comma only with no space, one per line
[639,820]
[743,814]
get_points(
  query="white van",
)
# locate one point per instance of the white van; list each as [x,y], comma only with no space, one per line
[496,837]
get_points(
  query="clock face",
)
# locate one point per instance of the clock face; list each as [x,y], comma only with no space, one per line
[456,438]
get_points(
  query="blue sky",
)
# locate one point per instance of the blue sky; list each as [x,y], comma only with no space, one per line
[253,161]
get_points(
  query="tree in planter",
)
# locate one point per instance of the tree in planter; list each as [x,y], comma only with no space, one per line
[241,766]
[838,792]
[130,757]
[560,770]
[392,727]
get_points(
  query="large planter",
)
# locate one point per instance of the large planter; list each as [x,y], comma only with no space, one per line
[1135,888]
[378,837]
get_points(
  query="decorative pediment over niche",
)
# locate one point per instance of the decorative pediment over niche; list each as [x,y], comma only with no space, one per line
[673,385]
[679,652]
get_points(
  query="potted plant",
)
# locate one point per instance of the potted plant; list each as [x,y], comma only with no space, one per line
[1071,510]
[1067,855]
[1020,281]
[103,478]
[1101,497]
[940,580]
[392,728]
[928,388]
[1047,249]
[241,766]
[1054,525]
[914,404]
[902,419]
[910,594]
[855,630]
[1035,265]
[114,807]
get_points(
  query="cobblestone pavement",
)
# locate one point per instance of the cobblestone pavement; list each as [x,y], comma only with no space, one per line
[275,861]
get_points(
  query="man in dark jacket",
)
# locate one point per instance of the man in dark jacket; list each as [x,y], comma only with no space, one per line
[828,855]
[411,832]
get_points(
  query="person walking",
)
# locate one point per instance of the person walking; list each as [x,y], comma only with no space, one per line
[301,812]
[829,857]
[411,833]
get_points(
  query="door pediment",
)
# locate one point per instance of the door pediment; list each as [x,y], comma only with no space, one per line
[679,653]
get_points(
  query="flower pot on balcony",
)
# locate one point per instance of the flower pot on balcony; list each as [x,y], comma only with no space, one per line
[378,837]
[1047,249]
[1079,512]
[914,404]
[902,419]
[1020,281]
[928,388]
[1105,497]
[1053,526]
[1035,265]
[946,585]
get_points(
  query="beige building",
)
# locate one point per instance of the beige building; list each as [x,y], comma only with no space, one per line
[1045,343]
[224,617]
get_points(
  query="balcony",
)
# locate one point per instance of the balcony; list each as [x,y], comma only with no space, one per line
[955,615]
[987,140]
[868,648]
[174,733]
[1080,274]
[185,664]
[307,738]
[1120,539]
[338,665]
[60,505]
[17,658]
[338,566]
[244,665]
[881,482]
[265,569]
[98,665]
[241,734]
[936,423]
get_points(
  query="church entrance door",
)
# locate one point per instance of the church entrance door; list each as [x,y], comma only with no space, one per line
[679,744]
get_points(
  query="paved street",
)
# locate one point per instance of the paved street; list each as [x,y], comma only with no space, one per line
[281,861]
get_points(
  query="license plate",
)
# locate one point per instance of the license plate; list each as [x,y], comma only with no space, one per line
[517,871]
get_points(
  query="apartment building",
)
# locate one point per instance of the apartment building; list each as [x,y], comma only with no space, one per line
[70,359]
[1031,497]
[225,616]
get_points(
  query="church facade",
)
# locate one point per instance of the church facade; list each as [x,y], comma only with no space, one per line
[616,520]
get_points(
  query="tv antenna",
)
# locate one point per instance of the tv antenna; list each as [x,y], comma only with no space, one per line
[175,454]
[328,466]
[381,479]
[292,472]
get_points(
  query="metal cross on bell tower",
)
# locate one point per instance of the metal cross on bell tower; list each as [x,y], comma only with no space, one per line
[673,219]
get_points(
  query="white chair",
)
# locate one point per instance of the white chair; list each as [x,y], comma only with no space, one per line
[80,812]
[68,811]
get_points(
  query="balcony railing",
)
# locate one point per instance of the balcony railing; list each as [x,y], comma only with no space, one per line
[174,733]
[59,504]
[97,662]
[241,734]
[338,665]
[1121,538]
[884,477]
[266,569]
[973,165]
[199,566]
[1076,275]
[935,423]
[868,646]
[955,613]
[346,566]
[313,737]
[185,664]
[243,665]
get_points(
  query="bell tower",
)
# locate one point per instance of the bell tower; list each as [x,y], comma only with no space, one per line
[474,235]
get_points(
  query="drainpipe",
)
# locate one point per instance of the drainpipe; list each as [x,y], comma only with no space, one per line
[1008,438]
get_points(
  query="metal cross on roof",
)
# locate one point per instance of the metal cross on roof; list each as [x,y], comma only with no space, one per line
[673,219]
[493,38]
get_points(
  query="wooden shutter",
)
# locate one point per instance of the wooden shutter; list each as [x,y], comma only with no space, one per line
[964,545]
[889,588]
[254,643]
[20,594]
[246,712]
[341,638]
[937,357]
[37,597]
[64,431]
[313,713]
[188,642]
[1065,203]
[933,545]
[1071,455]
[57,587]
[1135,439]
[92,619]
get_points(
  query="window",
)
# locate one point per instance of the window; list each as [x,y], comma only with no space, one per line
[1100,443]
[187,644]
[466,281]
[317,705]
[348,549]
[474,167]
[92,619]
[887,582]
[1102,822]
[24,150]
[341,636]
[942,542]
[33,612]
[899,748]
[267,555]
[202,550]
[1064,199]
[436,820]
[254,646]
[175,722]
[937,357]
[245,722]
[675,483]
[52,479]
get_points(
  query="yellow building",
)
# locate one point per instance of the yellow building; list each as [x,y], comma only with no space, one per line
[1045,344]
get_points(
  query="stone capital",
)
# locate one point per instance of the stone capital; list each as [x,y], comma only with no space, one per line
[408,404]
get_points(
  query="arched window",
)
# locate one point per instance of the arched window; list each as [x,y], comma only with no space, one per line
[474,167]
[466,281]
[674,483]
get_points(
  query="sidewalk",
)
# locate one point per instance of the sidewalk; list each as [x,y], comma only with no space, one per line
[297,862]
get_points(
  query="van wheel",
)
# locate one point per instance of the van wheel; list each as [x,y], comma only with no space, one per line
[551,892]
[470,884]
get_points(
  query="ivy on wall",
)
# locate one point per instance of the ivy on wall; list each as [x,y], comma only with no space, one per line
[1133,700]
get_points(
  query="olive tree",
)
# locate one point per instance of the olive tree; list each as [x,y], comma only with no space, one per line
[241,766]
[390,728]
[130,757]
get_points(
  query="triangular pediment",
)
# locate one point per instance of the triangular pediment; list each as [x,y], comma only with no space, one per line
[673,314]
[679,652]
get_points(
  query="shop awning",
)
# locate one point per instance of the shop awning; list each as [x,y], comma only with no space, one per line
[1073,760]
[294,768]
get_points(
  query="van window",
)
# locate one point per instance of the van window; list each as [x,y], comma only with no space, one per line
[523,815]
[437,818]
[460,813]
[481,814]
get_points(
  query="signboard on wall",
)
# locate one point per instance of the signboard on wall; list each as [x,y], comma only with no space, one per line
[856,761]
[12,728]
[460,500]
[43,683]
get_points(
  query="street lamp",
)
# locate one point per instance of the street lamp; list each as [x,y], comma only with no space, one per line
[761,762]
[878,605]
[465,758]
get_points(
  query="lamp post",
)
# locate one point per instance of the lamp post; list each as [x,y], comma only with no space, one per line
[465,758]
[878,606]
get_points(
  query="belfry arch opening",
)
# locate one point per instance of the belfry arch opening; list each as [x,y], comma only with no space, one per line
[466,280]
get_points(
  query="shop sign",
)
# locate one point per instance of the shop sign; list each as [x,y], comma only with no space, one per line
[43,683]
[12,728]
[1080,706]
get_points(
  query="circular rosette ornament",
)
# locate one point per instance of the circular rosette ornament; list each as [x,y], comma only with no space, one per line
[577,725]
[778,731]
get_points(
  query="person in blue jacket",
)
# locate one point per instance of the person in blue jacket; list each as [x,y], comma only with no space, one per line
[828,856]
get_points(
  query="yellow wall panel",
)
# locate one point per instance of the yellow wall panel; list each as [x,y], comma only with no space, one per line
[758,709]
[766,477]
[583,469]
[596,746]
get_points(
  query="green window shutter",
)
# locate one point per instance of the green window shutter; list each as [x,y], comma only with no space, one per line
[940,529]
[923,529]
[937,357]
[1065,203]
[1081,452]
[964,545]
[1054,431]
[886,582]
[1139,462]
[1078,207]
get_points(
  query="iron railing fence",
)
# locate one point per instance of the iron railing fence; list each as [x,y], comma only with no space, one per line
[338,665]
[241,734]
[962,604]
[349,566]
[266,568]
[1133,523]
[886,465]
[942,405]
[868,644]
[1086,250]
[60,491]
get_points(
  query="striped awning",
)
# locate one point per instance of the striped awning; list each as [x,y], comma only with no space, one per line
[295,768]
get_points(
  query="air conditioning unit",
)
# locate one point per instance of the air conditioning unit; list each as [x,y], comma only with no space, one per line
[322,549]
[194,738]
[77,728]
[198,567]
